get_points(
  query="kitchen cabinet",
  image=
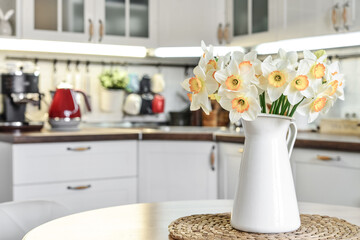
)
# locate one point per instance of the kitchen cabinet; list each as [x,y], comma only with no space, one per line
[125,22]
[253,21]
[230,155]
[79,175]
[177,170]
[307,18]
[333,180]
[187,22]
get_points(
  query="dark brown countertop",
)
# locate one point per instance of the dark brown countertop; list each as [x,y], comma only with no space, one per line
[304,139]
[87,134]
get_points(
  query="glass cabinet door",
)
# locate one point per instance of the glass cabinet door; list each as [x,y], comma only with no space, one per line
[115,17]
[240,17]
[45,14]
[73,16]
[71,11]
[249,16]
[260,16]
[139,18]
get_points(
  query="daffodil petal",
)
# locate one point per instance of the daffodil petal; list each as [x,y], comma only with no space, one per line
[250,56]
[238,56]
[309,55]
[185,84]
[292,57]
[267,68]
[233,68]
[211,84]
[225,103]
[274,93]
[199,72]
[234,116]
[221,76]
[312,116]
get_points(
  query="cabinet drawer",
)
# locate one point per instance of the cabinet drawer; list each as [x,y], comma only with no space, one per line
[326,158]
[53,162]
[89,195]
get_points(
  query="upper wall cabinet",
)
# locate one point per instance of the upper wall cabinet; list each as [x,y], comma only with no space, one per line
[187,22]
[321,17]
[109,21]
[253,21]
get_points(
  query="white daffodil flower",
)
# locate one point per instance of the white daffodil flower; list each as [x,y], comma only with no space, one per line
[290,57]
[318,64]
[336,80]
[242,104]
[321,103]
[299,86]
[232,79]
[277,75]
[246,61]
[200,88]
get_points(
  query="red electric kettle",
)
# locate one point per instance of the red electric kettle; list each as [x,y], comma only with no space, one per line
[64,112]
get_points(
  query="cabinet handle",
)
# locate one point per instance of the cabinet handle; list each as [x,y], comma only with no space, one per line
[328,158]
[345,16]
[91,30]
[227,33]
[334,17]
[78,149]
[212,158]
[220,33]
[241,150]
[79,187]
[101,30]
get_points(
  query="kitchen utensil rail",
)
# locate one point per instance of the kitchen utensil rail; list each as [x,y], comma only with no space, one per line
[110,63]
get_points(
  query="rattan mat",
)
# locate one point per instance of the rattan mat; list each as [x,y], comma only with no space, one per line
[217,226]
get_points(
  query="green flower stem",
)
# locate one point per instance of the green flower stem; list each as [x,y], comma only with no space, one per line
[262,102]
[280,100]
[285,107]
[295,107]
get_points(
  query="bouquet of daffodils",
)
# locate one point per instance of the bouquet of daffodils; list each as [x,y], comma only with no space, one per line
[246,87]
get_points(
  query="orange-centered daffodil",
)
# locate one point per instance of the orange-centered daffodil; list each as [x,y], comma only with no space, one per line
[319,104]
[196,85]
[240,104]
[334,86]
[233,82]
[244,66]
[301,82]
[318,70]
[277,79]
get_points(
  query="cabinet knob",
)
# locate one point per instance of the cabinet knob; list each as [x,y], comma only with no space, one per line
[101,30]
[91,30]
[79,187]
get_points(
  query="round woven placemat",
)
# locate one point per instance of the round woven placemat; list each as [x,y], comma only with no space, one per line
[217,226]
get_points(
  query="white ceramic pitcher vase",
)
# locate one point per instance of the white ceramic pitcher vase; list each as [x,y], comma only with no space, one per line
[265,199]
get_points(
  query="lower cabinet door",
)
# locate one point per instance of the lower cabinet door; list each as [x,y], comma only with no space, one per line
[81,196]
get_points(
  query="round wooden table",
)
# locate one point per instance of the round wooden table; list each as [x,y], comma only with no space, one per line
[151,220]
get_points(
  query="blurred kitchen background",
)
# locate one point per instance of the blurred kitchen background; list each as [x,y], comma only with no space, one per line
[155,25]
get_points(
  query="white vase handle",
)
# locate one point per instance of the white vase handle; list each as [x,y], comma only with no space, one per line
[291,137]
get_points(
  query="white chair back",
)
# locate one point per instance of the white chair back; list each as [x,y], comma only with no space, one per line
[17,218]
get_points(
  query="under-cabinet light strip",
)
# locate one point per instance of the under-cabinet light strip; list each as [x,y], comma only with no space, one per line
[311,43]
[169,52]
[26,45]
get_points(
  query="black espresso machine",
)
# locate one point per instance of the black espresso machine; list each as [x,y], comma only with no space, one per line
[19,88]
